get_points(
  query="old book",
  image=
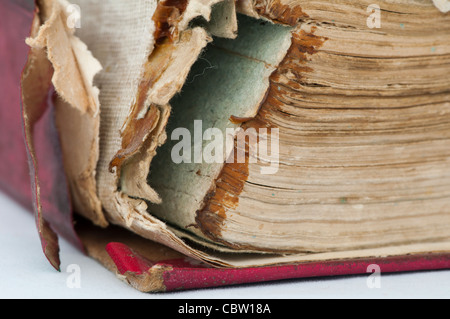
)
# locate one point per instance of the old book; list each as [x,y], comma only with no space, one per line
[242,134]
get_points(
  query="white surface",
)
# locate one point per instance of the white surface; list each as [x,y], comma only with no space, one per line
[25,273]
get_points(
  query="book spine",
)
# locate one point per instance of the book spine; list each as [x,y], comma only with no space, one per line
[180,274]
[47,190]
[14,173]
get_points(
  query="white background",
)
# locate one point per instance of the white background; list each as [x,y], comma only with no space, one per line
[25,273]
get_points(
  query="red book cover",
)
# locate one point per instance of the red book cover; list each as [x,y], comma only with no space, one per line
[46,194]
